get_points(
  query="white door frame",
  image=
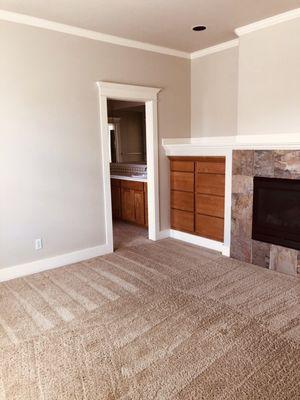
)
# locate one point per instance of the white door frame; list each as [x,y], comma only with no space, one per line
[148,95]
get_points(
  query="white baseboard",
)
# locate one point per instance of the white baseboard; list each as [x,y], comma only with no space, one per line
[20,270]
[200,241]
[226,251]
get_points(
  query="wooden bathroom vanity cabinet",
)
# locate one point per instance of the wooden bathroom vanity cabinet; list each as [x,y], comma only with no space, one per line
[129,201]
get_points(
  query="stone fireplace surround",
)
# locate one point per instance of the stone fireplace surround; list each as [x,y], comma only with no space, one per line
[245,165]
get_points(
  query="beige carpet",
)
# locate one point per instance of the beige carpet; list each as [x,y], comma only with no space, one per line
[126,235]
[157,321]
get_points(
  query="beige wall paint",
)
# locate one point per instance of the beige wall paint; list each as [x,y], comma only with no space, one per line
[269,83]
[214,91]
[50,166]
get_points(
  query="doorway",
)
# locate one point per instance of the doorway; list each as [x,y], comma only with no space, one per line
[147,96]
[128,172]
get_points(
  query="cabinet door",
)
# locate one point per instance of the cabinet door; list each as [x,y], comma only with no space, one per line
[127,200]
[139,207]
[182,220]
[146,203]
[183,181]
[210,227]
[210,184]
[182,200]
[116,202]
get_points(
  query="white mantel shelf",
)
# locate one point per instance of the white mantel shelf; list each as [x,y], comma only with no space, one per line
[219,145]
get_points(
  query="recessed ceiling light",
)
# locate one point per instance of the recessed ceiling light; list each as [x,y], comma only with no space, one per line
[199,28]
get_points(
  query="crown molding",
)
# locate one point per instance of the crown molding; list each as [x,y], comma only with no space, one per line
[88,34]
[265,23]
[103,37]
[215,49]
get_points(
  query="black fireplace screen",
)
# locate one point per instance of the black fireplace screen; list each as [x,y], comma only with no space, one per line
[276,211]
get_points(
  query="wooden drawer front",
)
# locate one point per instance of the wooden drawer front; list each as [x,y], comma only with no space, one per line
[182,166]
[211,166]
[210,205]
[182,181]
[210,227]
[210,184]
[182,200]
[182,220]
[132,185]
[115,183]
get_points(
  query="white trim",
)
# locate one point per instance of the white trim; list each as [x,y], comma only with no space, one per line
[120,41]
[88,34]
[105,158]
[267,22]
[126,92]
[149,96]
[199,241]
[218,144]
[45,264]
[215,49]
[227,203]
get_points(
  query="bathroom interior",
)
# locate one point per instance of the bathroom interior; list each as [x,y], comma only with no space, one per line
[128,172]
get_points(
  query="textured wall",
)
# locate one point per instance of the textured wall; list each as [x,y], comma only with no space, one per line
[50,154]
[269,84]
[246,165]
[214,92]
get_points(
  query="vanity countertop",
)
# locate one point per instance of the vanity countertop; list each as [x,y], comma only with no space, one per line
[129,178]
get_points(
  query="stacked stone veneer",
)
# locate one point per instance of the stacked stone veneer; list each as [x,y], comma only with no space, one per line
[246,165]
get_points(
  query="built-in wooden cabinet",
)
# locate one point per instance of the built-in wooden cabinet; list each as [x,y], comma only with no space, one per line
[129,201]
[197,195]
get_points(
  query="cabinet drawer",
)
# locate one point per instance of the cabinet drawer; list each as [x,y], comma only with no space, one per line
[182,220]
[210,227]
[210,205]
[211,166]
[182,166]
[182,200]
[210,184]
[182,181]
[132,185]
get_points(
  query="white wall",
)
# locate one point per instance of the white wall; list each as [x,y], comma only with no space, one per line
[269,80]
[214,91]
[50,166]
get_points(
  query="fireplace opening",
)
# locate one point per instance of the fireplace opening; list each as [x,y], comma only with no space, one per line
[276,211]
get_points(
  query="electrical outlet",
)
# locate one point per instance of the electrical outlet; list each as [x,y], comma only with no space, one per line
[38,244]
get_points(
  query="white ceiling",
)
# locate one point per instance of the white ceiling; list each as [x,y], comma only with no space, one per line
[161,22]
